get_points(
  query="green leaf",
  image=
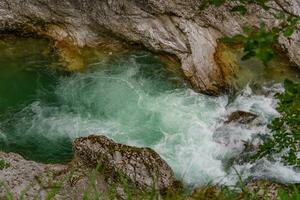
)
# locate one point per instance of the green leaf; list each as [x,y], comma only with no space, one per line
[288,31]
[240,9]
[265,55]
[217,2]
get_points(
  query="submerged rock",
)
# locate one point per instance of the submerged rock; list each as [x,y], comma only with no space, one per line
[237,135]
[99,166]
[241,117]
[235,131]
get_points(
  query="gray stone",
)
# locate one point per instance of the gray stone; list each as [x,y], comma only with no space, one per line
[141,168]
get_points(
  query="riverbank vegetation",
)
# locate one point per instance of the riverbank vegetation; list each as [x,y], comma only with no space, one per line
[260,190]
[285,139]
[260,41]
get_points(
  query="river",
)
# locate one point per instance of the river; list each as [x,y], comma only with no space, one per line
[135,100]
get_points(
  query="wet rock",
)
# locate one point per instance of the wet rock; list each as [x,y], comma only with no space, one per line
[237,135]
[237,129]
[142,166]
[241,117]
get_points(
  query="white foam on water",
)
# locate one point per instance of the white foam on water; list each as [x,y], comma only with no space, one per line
[178,123]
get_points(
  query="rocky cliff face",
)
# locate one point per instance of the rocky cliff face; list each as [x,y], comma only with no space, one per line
[99,166]
[172,26]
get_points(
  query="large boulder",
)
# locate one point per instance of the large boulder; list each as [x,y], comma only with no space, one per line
[141,166]
[99,167]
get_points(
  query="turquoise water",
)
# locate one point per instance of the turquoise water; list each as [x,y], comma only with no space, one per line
[23,71]
[134,100]
[43,110]
[26,77]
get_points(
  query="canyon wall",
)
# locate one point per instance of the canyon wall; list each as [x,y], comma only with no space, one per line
[172,26]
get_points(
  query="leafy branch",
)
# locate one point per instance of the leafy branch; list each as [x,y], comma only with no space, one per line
[260,42]
[285,140]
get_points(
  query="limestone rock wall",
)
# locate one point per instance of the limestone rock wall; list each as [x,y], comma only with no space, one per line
[172,26]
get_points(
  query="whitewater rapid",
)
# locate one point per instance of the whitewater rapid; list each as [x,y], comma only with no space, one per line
[133,101]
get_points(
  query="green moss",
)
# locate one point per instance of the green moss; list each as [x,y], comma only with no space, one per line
[3,164]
